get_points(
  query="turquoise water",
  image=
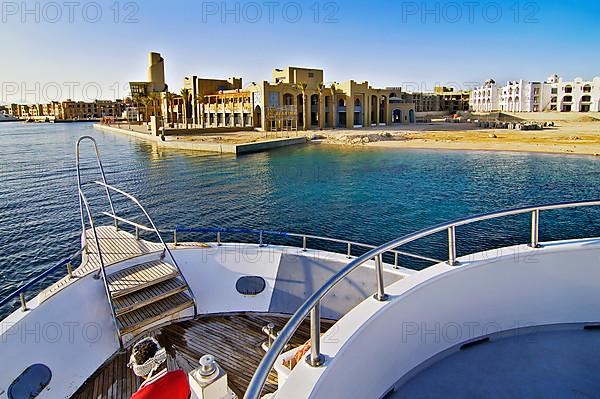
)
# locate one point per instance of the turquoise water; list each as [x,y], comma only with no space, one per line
[367,195]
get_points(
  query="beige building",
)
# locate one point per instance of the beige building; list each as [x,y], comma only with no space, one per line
[442,99]
[155,78]
[295,99]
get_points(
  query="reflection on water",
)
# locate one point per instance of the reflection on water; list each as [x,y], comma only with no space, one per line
[361,194]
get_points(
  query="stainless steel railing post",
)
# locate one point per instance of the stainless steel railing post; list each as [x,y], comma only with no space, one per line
[315,359]
[381,295]
[535,229]
[396,264]
[304,244]
[219,238]
[175,237]
[349,251]
[23,301]
[452,246]
[137,233]
[70,270]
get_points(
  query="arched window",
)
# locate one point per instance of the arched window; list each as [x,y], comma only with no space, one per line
[341,102]
[357,102]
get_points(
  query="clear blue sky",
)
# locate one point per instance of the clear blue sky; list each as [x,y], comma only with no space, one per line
[388,42]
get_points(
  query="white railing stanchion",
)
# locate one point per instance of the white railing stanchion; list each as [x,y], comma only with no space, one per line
[535,229]
[452,246]
[381,296]
[315,359]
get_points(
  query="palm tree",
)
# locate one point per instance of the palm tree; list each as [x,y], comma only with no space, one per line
[321,91]
[333,88]
[146,102]
[154,99]
[200,108]
[185,94]
[170,99]
[302,86]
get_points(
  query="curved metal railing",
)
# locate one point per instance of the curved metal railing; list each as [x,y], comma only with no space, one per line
[102,271]
[312,305]
[305,237]
[20,292]
[153,228]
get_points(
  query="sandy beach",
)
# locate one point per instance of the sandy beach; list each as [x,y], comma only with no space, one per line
[571,134]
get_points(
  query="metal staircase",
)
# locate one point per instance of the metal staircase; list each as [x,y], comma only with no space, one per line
[143,295]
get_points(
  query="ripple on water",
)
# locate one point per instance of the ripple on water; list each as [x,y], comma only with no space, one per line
[364,195]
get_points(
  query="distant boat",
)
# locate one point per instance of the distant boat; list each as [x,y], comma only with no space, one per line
[7,118]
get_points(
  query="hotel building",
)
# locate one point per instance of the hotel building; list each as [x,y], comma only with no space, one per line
[295,99]
[553,95]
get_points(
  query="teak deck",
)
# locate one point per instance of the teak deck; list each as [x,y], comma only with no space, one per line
[235,341]
[116,246]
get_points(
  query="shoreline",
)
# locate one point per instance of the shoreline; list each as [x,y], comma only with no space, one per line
[174,142]
[565,138]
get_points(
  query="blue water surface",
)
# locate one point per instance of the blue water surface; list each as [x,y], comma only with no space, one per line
[361,194]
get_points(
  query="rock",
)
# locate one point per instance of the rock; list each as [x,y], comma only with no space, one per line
[492,136]
[574,138]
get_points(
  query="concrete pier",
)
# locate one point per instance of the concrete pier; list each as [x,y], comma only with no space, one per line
[223,148]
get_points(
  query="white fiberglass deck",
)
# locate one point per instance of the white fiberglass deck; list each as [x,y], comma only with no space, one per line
[538,364]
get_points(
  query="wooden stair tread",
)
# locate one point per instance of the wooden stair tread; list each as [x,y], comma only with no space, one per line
[153,312]
[154,293]
[139,277]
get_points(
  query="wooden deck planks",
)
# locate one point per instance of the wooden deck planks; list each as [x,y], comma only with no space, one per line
[151,294]
[116,246]
[155,311]
[234,340]
[139,277]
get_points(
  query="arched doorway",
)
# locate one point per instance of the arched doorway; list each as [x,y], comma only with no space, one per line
[383,110]
[288,99]
[397,116]
[300,102]
[358,113]
[341,113]
[411,116]
[314,110]
[257,117]
[374,110]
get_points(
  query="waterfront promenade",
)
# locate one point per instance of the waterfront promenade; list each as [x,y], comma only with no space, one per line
[570,133]
[225,143]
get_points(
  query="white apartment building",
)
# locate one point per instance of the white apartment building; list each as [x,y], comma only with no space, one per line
[524,96]
[553,95]
[575,96]
[485,98]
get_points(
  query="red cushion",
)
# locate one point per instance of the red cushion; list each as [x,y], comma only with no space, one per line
[173,385]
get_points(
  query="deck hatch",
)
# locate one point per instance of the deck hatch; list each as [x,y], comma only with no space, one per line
[30,383]
[250,285]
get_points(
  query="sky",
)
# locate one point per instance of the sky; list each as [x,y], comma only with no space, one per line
[92,49]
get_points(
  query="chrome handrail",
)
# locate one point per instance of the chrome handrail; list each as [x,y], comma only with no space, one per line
[113,314]
[103,175]
[153,228]
[313,303]
[349,244]
[21,290]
